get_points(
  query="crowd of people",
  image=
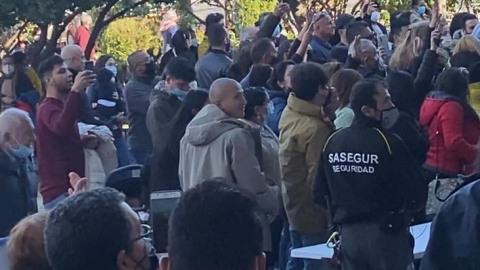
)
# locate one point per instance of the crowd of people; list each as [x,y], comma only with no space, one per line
[349,128]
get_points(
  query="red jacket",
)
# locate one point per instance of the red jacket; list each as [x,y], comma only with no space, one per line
[458,128]
[82,37]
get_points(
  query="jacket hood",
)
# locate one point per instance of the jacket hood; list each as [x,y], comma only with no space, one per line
[209,124]
[464,59]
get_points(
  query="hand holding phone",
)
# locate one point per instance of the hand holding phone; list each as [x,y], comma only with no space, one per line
[89,65]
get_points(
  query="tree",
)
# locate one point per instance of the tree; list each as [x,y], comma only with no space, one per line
[247,12]
[124,36]
[115,9]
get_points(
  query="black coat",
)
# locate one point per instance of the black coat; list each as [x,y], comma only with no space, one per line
[14,193]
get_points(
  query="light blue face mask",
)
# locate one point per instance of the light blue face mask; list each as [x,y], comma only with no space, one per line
[180,94]
[277,32]
[22,152]
[421,10]
[113,69]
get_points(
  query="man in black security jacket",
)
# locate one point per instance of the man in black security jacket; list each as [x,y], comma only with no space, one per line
[372,184]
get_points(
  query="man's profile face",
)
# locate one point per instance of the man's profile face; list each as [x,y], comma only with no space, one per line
[233,103]
[61,78]
[470,25]
[383,100]
[326,26]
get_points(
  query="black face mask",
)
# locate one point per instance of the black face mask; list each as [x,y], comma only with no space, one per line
[150,70]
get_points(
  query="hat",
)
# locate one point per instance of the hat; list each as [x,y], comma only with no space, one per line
[343,20]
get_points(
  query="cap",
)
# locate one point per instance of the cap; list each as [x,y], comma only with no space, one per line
[343,20]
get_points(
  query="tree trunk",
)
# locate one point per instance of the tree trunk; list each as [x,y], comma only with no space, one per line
[97,28]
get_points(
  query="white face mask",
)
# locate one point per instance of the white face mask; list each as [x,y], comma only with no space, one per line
[8,69]
[375,16]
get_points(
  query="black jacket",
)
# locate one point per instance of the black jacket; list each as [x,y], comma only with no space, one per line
[413,135]
[367,172]
[14,193]
[423,79]
[188,54]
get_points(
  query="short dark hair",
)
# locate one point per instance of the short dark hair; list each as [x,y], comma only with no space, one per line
[398,20]
[213,18]
[355,29]
[180,68]
[47,65]
[260,74]
[363,94]
[278,74]
[467,17]
[414,3]
[344,20]
[214,227]
[259,48]
[255,96]
[306,80]
[457,22]
[179,39]
[96,227]
[19,58]
[217,35]
[453,81]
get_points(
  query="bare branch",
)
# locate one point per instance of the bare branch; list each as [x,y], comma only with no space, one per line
[124,11]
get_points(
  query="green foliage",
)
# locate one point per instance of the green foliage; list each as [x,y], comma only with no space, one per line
[124,36]
[247,12]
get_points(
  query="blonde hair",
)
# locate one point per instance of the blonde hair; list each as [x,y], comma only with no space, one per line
[467,44]
[331,68]
[25,248]
[405,53]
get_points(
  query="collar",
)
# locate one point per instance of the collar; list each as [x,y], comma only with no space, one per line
[217,51]
[364,121]
[321,42]
[303,107]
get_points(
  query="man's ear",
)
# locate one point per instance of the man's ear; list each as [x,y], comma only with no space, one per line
[260,262]
[124,262]
[165,263]
[367,111]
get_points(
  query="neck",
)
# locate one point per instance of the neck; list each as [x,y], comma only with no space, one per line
[344,40]
[54,93]
[321,37]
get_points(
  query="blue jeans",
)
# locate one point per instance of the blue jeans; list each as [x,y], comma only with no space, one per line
[51,204]
[122,152]
[303,240]
[139,157]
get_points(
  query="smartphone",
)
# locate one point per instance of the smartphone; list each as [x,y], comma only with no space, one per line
[162,204]
[89,65]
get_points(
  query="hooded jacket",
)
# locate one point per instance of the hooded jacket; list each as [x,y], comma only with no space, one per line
[454,239]
[458,128]
[278,102]
[218,146]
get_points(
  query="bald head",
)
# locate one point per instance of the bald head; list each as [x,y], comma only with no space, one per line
[73,56]
[227,94]
[16,128]
[137,63]
[367,46]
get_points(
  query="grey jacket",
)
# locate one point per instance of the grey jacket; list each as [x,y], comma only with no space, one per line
[212,66]
[137,95]
[217,146]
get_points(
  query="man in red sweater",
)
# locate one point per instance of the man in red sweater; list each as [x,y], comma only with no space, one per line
[83,34]
[59,145]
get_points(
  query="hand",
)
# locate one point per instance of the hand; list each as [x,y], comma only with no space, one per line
[310,14]
[382,52]
[355,48]
[281,9]
[78,184]
[90,141]
[83,80]
[433,40]
[435,16]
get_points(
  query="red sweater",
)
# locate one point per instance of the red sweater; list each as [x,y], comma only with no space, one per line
[83,35]
[455,146]
[59,147]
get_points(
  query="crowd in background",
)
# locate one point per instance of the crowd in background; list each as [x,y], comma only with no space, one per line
[343,128]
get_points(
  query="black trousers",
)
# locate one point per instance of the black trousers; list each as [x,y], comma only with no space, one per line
[366,247]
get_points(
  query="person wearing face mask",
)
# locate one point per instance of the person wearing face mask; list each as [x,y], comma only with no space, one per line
[372,17]
[303,131]
[121,242]
[167,97]
[370,183]
[418,11]
[137,97]
[256,113]
[16,139]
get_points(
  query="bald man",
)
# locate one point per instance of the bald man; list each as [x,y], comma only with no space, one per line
[16,140]
[218,144]
[74,58]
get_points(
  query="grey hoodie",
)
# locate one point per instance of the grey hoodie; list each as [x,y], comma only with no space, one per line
[218,146]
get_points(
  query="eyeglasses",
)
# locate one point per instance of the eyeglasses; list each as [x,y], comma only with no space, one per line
[145,233]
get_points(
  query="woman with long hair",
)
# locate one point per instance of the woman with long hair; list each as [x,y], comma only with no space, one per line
[163,167]
[343,80]
[453,126]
